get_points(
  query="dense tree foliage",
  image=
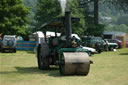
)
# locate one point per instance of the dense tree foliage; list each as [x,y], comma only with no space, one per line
[110,15]
[122,20]
[91,12]
[121,28]
[47,10]
[32,4]
[13,17]
[120,4]
[79,27]
[114,16]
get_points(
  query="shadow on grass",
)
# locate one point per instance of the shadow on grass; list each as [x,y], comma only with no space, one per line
[27,51]
[123,53]
[30,52]
[10,52]
[54,71]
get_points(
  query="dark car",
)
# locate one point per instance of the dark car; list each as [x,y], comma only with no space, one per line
[94,42]
[120,44]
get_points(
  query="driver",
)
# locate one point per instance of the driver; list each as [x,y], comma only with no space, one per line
[75,42]
[63,36]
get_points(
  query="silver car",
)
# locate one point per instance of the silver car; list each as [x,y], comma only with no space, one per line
[9,43]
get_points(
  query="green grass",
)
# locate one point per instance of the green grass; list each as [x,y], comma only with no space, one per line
[109,68]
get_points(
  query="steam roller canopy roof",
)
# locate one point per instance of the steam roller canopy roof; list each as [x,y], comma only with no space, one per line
[57,22]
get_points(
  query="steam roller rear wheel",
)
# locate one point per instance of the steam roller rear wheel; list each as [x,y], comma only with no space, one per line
[44,52]
[75,63]
[39,58]
[43,63]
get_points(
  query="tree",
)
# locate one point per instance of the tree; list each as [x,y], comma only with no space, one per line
[78,27]
[122,20]
[92,18]
[47,10]
[96,11]
[121,28]
[13,17]
[120,3]
[32,4]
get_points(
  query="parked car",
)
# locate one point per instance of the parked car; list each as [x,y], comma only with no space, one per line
[120,44]
[92,50]
[112,46]
[94,42]
[9,43]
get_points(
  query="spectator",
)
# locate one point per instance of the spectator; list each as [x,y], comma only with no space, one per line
[106,46]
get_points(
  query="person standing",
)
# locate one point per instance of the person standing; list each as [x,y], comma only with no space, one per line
[106,46]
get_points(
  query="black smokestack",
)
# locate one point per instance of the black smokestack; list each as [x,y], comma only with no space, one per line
[68,22]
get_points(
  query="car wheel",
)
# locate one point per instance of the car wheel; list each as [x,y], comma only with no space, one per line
[2,50]
[99,51]
[14,50]
[89,53]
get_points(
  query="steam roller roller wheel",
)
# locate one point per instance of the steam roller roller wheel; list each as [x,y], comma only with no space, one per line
[75,63]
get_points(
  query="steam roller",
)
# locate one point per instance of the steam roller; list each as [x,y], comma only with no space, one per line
[64,50]
[75,63]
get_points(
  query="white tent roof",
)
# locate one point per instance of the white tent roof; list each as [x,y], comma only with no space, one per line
[39,33]
[48,33]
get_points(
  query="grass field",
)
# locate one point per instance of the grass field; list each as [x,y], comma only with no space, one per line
[109,68]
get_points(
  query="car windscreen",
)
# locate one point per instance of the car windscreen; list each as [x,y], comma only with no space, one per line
[86,40]
[95,40]
[112,41]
